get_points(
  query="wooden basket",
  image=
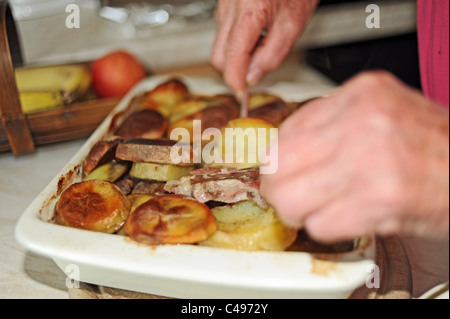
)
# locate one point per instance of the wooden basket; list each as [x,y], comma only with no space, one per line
[21,133]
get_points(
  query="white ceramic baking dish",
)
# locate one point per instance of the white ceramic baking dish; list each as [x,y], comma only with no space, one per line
[184,271]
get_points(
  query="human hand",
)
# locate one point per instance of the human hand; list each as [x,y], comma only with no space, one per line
[371,158]
[237,51]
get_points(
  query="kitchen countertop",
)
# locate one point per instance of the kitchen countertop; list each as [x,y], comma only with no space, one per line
[25,275]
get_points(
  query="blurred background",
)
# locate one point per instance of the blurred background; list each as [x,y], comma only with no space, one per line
[169,34]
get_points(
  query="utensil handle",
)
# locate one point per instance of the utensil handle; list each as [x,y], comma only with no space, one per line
[14,121]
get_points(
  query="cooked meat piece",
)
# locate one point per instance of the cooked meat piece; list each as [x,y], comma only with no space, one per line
[149,188]
[219,185]
[126,185]
[148,151]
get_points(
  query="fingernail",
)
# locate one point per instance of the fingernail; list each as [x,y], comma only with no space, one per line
[254,76]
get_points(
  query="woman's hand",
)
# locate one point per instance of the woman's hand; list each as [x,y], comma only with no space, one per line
[239,53]
[372,157]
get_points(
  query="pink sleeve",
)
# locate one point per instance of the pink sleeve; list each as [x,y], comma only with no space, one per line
[433,29]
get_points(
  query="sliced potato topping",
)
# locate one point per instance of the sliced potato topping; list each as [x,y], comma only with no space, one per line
[242,142]
[160,173]
[191,106]
[137,200]
[93,205]
[170,219]
[246,226]
[259,99]
[165,96]
[109,172]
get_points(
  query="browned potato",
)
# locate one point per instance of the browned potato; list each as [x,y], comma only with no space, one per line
[170,219]
[246,226]
[211,117]
[165,96]
[274,112]
[93,205]
[158,172]
[137,200]
[101,153]
[268,107]
[257,100]
[109,172]
[146,124]
[245,152]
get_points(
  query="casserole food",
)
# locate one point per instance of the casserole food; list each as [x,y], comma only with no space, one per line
[183,271]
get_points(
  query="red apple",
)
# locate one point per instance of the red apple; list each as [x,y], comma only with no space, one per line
[116,73]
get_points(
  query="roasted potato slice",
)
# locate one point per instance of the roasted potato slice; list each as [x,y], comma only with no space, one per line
[137,200]
[93,205]
[101,153]
[170,219]
[158,172]
[146,124]
[109,172]
[246,226]
[165,96]
[274,112]
[257,100]
[242,143]
[191,106]
[211,117]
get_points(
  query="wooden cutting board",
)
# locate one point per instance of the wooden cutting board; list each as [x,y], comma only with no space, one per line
[395,278]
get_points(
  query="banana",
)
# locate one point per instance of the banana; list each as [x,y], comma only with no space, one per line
[93,205]
[44,88]
[170,219]
[33,102]
[247,227]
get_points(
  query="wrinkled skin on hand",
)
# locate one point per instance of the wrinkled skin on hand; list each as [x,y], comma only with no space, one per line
[237,51]
[371,157]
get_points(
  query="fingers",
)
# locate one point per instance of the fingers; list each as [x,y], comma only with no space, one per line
[272,51]
[242,40]
[305,193]
[225,16]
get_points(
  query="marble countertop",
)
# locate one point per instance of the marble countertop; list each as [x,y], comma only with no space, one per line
[24,275]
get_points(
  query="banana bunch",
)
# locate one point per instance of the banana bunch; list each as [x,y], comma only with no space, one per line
[46,88]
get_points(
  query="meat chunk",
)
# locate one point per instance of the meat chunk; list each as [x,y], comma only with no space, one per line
[220,185]
[149,188]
